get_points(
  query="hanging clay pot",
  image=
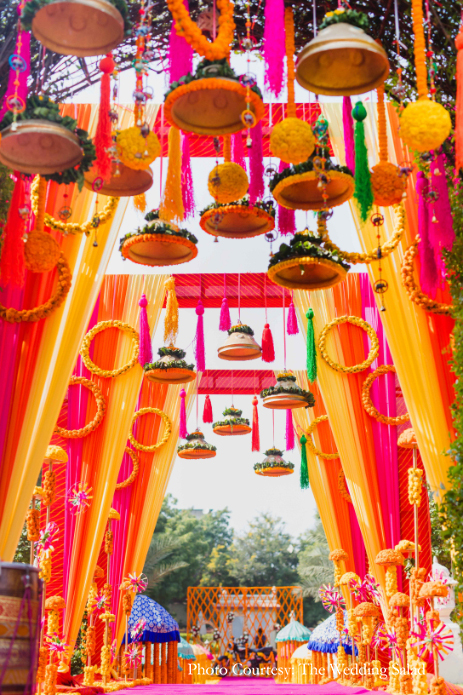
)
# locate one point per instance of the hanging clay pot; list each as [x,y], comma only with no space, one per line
[237,221]
[286,394]
[273,465]
[196,447]
[171,368]
[240,345]
[129,182]
[159,243]
[233,424]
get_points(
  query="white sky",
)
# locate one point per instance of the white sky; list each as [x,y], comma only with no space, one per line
[229,480]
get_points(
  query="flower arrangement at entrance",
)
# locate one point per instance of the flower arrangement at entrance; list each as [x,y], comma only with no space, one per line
[274,465]
[306,263]
[171,368]
[196,447]
[233,424]
[212,101]
[238,220]
[286,394]
[158,243]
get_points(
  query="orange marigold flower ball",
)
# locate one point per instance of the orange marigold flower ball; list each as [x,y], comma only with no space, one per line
[228,182]
[41,252]
[388,184]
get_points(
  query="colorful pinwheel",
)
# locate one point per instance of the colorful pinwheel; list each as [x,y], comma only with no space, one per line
[79,498]
[439,640]
[100,602]
[386,638]
[47,538]
[137,630]
[133,655]
[56,645]
[367,590]
[331,598]
[136,583]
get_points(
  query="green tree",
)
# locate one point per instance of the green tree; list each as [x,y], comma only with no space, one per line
[221,568]
[314,567]
[161,547]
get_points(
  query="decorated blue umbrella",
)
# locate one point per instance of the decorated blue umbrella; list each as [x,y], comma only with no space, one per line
[159,625]
[185,650]
[325,637]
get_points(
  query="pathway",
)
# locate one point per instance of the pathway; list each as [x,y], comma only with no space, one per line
[244,686]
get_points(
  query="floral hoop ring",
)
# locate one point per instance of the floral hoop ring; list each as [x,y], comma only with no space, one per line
[355,321]
[368,403]
[311,445]
[136,466]
[100,410]
[411,288]
[167,433]
[102,326]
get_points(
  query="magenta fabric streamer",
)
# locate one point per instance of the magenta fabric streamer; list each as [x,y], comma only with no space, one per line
[146,353]
[23,40]
[429,274]
[441,233]
[9,354]
[286,218]
[348,126]
[358,546]
[180,53]
[274,45]
[383,395]
[188,196]
[183,432]
[291,327]
[256,165]
[289,434]
[237,150]
[200,351]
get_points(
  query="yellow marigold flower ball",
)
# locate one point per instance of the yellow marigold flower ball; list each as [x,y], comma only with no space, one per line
[424,125]
[387,183]
[136,151]
[41,252]
[228,182]
[292,141]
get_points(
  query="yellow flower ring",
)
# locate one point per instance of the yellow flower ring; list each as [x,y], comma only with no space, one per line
[102,326]
[167,432]
[355,321]
[100,410]
[136,466]
[311,445]
[44,310]
[184,25]
[72,227]
[411,288]
[339,189]
[237,221]
[368,404]
[255,101]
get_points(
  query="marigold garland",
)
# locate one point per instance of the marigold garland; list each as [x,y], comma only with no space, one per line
[311,445]
[136,151]
[355,321]
[49,687]
[342,487]
[33,524]
[72,227]
[415,483]
[44,310]
[109,542]
[136,466]
[42,664]
[411,288]
[100,410]
[90,640]
[48,488]
[368,403]
[102,326]
[184,26]
[167,432]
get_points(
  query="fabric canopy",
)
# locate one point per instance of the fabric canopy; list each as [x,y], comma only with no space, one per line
[294,631]
[160,626]
[185,650]
[325,637]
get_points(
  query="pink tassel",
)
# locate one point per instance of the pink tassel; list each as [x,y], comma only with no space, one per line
[274,45]
[225,320]
[289,430]
[441,234]
[292,327]
[200,351]
[256,165]
[255,426]
[268,349]
[428,272]
[182,432]
[188,196]
[146,352]
[207,411]
[23,48]
[348,125]
[237,150]
[286,218]
[180,54]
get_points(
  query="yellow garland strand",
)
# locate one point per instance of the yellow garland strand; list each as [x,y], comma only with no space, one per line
[311,445]
[171,317]
[342,487]
[86,228]
[290,50]
[413,291]
[100,410]
[355,321]
[382,131]
[136,465]
[368,403]
[167,431]
[172,202]
[102,326]
[415,483]
[184,26]
[227,148]
[33,524]
[419,50]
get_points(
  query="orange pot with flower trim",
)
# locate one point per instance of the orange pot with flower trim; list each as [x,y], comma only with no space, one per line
[238,220]
[159,243]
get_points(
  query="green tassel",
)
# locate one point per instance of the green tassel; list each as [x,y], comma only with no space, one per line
[363,193]
[311,350]
[304,466]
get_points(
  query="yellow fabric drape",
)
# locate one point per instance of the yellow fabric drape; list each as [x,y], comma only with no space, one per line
[347,432]
[405,324]
[110,450]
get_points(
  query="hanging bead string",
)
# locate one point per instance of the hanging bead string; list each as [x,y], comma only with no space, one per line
[284,328]
[224,284]
[430,53]
[239,297]
[273,427]
[232,389]
[314,15]
[161,158]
